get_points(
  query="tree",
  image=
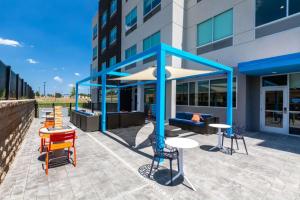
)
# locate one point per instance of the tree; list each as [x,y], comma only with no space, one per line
[58,95]
[37,94]
[72,92]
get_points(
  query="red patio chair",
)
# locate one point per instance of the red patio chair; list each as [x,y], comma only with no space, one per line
[61,141]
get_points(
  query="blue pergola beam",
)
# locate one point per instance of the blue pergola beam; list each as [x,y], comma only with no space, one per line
[136,58]
[191,57]
[160,99]
[229,115]
[98,85]
[136,84]
[118,73]
[103,103]
[76,97]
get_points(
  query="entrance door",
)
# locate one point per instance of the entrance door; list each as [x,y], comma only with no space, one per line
[274,110]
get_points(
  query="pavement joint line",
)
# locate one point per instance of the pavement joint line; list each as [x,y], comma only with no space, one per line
[128,166]
[130,191]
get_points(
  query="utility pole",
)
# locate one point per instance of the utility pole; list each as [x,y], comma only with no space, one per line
[44,83]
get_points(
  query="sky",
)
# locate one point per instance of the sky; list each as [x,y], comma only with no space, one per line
[48,41]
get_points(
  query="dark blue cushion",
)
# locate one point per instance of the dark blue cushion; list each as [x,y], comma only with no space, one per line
[186,122]
[189,115]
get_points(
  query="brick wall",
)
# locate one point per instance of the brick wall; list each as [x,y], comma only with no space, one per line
[15,119]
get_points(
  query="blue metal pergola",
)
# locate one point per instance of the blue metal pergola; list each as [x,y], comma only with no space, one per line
[160,51]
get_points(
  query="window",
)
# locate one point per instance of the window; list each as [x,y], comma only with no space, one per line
[151,41]
[278,80]
[268,11]
[95,52]
[104,18]
[203,93]
[103,65]
[103,44]
[192,95]
[150,5]
[131,18]
[182,94]
[218,92]
[95,31]
[131,51]
[113,7]
[112,61]
[294,6]
[216,28]
[113,35]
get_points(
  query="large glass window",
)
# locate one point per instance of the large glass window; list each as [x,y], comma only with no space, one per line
[294,6]
[216,28]
[131,51]
[218,93]
[182,94]
[103,44]
[113,35]
[95,52]
[223,25]
[112,61]
[279,80]
[95,31]
[131,18]
[203,93]
[192,91]
[268,11]
[104,18]
[295,103]
[151,41]
[204,32]
[113,7]
[150,5]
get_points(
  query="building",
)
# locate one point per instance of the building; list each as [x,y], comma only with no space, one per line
[258,38]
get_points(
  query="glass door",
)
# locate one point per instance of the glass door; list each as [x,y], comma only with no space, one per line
[274,110]
[294,104]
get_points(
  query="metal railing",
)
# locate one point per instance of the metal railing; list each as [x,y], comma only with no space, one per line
[12,86]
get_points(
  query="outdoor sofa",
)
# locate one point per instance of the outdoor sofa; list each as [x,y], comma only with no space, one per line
[90,122]
[184,120]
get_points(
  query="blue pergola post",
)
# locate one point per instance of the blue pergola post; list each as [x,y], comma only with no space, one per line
[160,98]
[76,97]
[119,100]
[103,103]
[229,99]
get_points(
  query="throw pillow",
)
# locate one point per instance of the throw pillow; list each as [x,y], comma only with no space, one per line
[196,117]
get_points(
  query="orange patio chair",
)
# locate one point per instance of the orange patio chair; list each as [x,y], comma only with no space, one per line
[61,141]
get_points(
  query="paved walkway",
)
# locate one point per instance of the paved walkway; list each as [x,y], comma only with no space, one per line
[115,166]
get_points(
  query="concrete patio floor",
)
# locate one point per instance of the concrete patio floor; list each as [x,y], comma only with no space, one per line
[115,166]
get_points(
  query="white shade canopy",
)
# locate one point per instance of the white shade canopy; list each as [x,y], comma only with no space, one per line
[149,74]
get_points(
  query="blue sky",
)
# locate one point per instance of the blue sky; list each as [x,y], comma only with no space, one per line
[47,40]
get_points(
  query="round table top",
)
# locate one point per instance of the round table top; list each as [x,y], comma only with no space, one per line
[183,143]
[46,131]
[220,125]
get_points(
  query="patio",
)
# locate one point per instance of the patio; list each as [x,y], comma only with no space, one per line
[108,168]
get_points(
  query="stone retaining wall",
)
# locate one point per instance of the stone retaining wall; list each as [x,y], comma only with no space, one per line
[15,119]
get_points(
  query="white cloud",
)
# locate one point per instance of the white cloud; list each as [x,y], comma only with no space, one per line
[77,74]
[8,42]
[71,85]
[58,79]
[32,61]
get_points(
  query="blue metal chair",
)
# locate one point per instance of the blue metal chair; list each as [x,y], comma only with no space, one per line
[167,152]
[236,135]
